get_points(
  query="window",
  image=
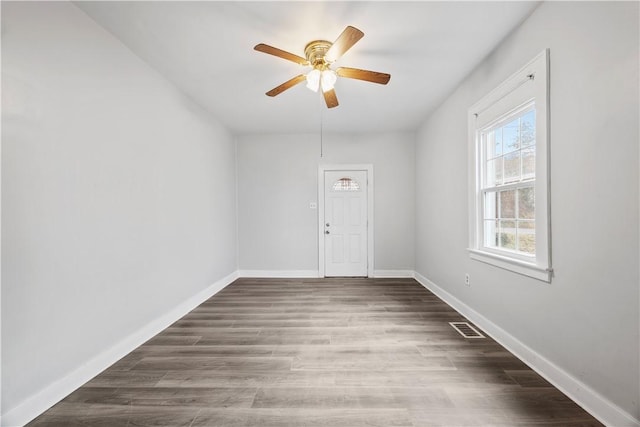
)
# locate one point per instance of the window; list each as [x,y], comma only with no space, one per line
[346,184]
[509,189]
[508,183]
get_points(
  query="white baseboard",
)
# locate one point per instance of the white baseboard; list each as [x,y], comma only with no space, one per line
[279,274]
[282,274]
[395,274]
[601,408]
[49,396]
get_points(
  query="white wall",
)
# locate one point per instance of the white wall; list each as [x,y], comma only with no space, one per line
[278,178]
[118,196]
[587,320]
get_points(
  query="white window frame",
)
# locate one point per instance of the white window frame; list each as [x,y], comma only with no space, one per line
[529,84]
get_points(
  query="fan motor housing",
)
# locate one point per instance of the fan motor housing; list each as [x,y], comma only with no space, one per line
[315,52]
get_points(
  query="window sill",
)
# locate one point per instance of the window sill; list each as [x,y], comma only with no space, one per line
[511,264]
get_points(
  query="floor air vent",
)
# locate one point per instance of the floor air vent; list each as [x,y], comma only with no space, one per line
[466,330]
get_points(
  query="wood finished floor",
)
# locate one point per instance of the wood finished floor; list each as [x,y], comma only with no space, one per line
[318,352]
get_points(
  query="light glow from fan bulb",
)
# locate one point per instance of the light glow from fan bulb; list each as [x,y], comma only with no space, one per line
[313,80]
[329,78]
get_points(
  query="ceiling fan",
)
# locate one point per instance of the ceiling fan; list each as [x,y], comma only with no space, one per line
[320,55]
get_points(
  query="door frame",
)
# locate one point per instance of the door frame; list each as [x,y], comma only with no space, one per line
[321,187]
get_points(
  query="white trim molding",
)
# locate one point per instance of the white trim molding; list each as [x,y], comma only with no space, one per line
[279,274]
[597,405]
[394,274]
[49,396]
[512,264]
[345,167]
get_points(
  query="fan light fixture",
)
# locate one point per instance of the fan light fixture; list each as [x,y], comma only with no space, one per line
[329,79]
[325,79]
[313,80]
[320,55]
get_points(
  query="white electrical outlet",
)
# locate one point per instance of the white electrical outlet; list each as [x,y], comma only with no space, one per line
[466,280]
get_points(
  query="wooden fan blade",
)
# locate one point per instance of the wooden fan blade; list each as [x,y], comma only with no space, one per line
[366,75]
[265,48]
[286,85]
[330,98]
[343,43]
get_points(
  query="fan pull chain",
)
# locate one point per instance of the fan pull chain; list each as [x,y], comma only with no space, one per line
[321,141]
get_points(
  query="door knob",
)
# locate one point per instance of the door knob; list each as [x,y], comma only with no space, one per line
[327,224]
[326,232]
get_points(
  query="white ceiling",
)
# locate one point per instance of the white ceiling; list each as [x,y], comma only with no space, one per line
[206,49]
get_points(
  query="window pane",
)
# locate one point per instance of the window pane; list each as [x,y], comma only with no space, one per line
[528,129]
[346,184]
[508,204]
[494,172]
[528,162]
[526,203]
[512,167]
[508,234]
[527,237]
[493,142]
[491,234]
[511,136]
[509,155]
[491,205]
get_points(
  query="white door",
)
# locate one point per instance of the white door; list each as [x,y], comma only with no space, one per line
[345,228]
